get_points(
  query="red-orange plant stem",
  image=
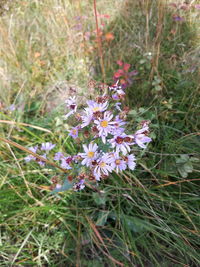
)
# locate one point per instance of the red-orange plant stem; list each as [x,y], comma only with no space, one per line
[100,50]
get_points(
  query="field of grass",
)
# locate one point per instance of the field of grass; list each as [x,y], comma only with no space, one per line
[148,217]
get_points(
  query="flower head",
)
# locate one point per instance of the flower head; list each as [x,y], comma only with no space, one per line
[122,143]
[86,118]
[89,155]
[117,129]
[130,160]
[74,132]
[140,137]
[118,163]
[103,166]
[31,157]
[58,156]
[94,107]
[47,146]
[12,107]
[79,186]
[71,105]
[119,94]
[104,125]
[65,162]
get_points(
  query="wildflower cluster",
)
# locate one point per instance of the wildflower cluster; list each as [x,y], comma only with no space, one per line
[105,145]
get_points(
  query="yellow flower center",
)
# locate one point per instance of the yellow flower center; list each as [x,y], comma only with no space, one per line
[74,131]
[96,109]
[104,124]
[117,161]
[102,164]
[90,154]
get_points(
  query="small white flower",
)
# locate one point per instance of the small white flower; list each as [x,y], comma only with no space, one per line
[47,146]
[89,155]
[94,107]
[130,159]
[31,157]
[118,163]
[71,104]
[105,125]
[122,143]
[86,118]
[141,138]
[103,166]
[79,186]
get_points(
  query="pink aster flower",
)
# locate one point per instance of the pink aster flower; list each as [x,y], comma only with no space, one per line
[130,160]
[74,132]
[119,94]
[31,157]
[89,155]
[79,186]
[118,163]
[86,118]
[103,166]
[11,107]
[105,125]
[140,137]
[122,143]
[94,107]
[71,105]
[58,156]
[115,97]
[47,146]
[117,129]
[65,162]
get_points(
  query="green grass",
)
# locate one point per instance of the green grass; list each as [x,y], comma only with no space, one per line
[149,217]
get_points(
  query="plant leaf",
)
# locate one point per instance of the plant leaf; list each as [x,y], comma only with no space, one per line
[99,199]
[102,218]
[135,224]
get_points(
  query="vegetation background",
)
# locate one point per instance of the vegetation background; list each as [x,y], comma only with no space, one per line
[149,217]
